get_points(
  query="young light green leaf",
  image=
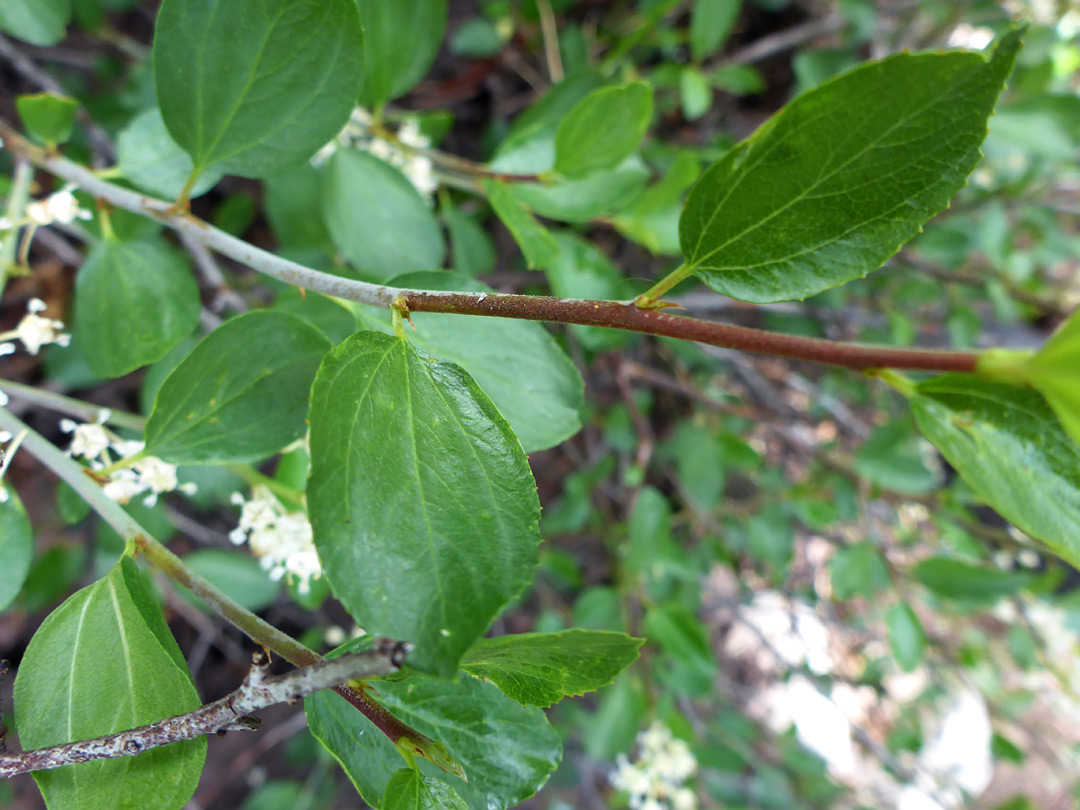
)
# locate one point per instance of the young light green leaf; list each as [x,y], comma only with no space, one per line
[603,129]
[1055,372]
[540,669]
[836,181]
[240,395]
[858,570]
[377,219]
[956,579]
[528,376]
[16,545]
[1006,444]
[415,478]
[256,86]
[134,301]
[408,790]
[682,636]
[906,636]
[507,750]
[147,155]
[102,662]
[537,244]
[711,22]
[41,22]
[401,40]
[48,118]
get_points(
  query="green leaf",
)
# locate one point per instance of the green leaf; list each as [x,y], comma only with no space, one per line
[147,155]
[603,129]
[237,574]
[408,790]
[537,244]
[858,570]
[472,252]
[102,662]
[1055,372]
[40,22]
[540,669]
[415,479]
[48,118]
[508,750]
[1006,444]
[134,301]
[256,86]
[843,175]
[893,459]
[711,22]
[377,219]
[682,637]
[528,376]
[16,545]
[695,92]
[401,40]
[240,395]
[956,579]
[906,636]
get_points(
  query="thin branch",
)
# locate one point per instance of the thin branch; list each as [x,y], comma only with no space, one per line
[230,713]
[87,411]
[247,622]
[784,40]
[608,314]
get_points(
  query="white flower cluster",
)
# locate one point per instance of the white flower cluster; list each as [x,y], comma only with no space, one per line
[656,780]
[34,331]
[97,445]
[358,135]
[281,540]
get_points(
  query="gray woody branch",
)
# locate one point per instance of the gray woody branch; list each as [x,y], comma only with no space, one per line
[231,713]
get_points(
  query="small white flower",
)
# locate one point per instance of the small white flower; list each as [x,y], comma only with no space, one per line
[655,780]
[35,331]
[89,441]
[3,401]
[59,207]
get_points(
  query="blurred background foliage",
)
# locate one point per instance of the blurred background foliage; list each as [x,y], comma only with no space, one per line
[832,619]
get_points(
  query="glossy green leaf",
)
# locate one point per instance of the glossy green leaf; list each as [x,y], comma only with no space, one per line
[237,574]
[836,181]
[415,479]
[256,86]
[377,219]
[528,376]
[134,301]
[508,751]
[1006,444]
[147,156]
[39,22]
[102,662]
[241,394]
[48,118]
[16,545]
[401,40]
[603,129]
[858,570]
[540,669]
[711,22]
[1055,371]
[956,579]
[408,790]
[537,244]
[906,636]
